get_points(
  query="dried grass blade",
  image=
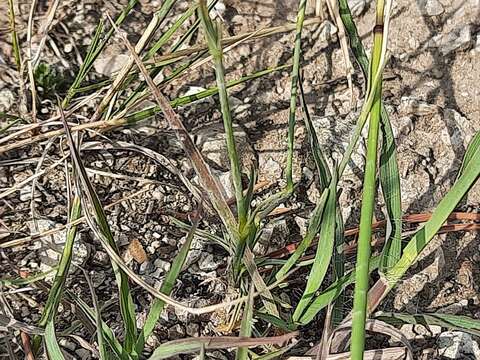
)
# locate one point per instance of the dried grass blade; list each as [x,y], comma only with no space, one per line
[185,346]
[126,302]
[207,180]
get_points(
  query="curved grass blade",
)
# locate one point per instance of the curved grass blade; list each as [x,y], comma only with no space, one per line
[157,19]
[186,346]
[166,288]
[423,236]
[312,231]
[324,179]
[55,293]
[455,322]
[324,251]
[108,335]
[127,308]
[98,318]
[332,293]
[246,325]
[53,349]
[293,92]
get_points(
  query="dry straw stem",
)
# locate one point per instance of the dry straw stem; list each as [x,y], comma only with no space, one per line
[31,78]
[146,36]
[207,181]
[44,30]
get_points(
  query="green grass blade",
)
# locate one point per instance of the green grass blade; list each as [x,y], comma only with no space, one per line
[324,179]
[19,281]
[332,292]
[368,199]
[267,297]
[213,38]
[246,325]
[98,318]
[166,288]
[449,321]
[127,308]
[166,36]
[293,92]
[324,251]
[55,293]
[53,349]
[422,237]
[312,231]
[390,181]
[108,334]
[203,234]
[320,162]
[185,100]
[339,265]
[96,47]
[389,174]
[186,346]
[470,152]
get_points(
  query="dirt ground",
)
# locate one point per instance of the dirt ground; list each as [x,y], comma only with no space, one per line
[431,93]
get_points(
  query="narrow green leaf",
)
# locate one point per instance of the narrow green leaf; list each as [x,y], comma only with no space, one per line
[293,91]
[454,322]
[127,308]
[246,325]
[422,237]
[95,48]
[166,288]
[55,293]
[53,349]
[108,334]
[185,100]
[324,252]
[324,179]
[312,231]
[332,293]
[186,346]
[98,318]
[470,152]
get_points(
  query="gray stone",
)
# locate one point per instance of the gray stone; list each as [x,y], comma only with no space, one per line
[164,266]
[7,99]
[207,262]
[83,354]
[193,329]
[430,7]
[211,141]
[358,7]
[457,345]
[325,32]
[110,64]
[457,39]
[146,267]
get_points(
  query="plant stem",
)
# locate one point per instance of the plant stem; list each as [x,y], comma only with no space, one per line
[369,187]
[293,92]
